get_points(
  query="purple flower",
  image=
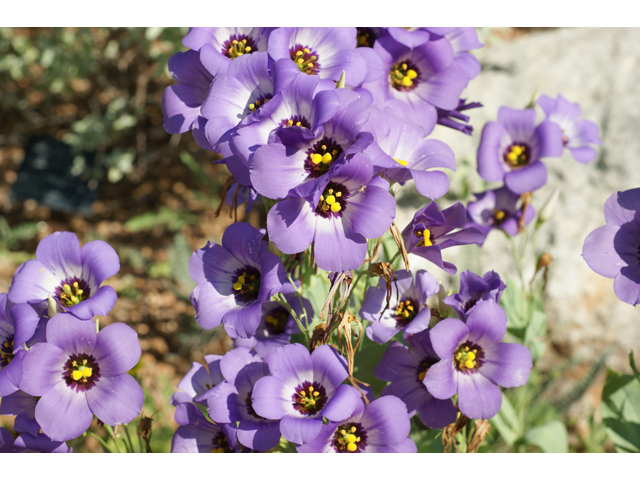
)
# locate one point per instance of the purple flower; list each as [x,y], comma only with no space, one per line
[221,45]
[196,434]
[181,103]
[462,40]
[78,373]
[325,52]
[511,148]
[26,443]
[408,311]
[276,324]
[447,118]
[72,275]
[474,288]
[498,209]
[576,134]
[417,80]
[413,37]
[230,402]
[234,279]
[198,380]
[474,362]
[381,427]
[613,250]
[23,406]
[401,148]
[406,370]
[430,232]
[338,218]
[302,389]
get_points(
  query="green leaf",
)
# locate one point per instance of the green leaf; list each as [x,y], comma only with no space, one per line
[621,411]
[632,362]
[507,422]
[550,437]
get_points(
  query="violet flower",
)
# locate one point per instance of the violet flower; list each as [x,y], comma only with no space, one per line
[413,37]
[25,443]
[474,362]
[230,402]
[511,148]
[234,279]
[418,80]
[337,218]
[577,135]
[462,40]
[198,380]
[78,373]
[498,209]
[408,311]
[447,118]
[277,324]
[72,275]
[405,154]
[613,250]
[23,406]
[474,288]
[302,389]
[431,230]
[406,369]
[196,434]
[381,427]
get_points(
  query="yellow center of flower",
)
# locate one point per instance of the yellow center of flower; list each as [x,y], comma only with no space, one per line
[349,439]
[81,372]
[258,103]
[498,215]
[246,283]
[238,48]
[517,155]
[6,352]
[403,76]
[330,202]
[466,358]
[426,238]
[305,59]
[71,294]
[401,162]
[422,374]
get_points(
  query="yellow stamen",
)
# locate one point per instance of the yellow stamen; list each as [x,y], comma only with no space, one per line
[336,207]
[298,124]
[241,280]
[407,82]
[426,234]
[352,447]
[469,364]
[235,42]
[353,429]
[310,389]
[498,214]
[421,375]
[237,286]
[306,50]
[338,194]
[77,375]
[252,106]
[316,158]
[315,394]
[312,401]
[404,66]
[401,162]
[351,438]
[217,450]
[330,200]
[326,158]
[471,356]
[343,433]
[299,53]
[87,372]
[412,74]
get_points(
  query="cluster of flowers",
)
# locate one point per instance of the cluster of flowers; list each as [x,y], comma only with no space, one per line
[57,369]
[320,122]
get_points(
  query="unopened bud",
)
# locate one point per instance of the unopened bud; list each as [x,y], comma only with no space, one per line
[52,307]
[342,81]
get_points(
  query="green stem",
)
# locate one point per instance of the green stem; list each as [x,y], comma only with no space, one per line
[102,442]
[115,441]
[304,310]
[126,431]
[283,301]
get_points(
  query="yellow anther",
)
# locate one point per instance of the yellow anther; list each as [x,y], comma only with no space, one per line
[312,401]
[401,162]
[80,292]
[298,124]
[469,364]
[338,194]
[77,375]
[67,288]
[351,438]
[412,74]
[498,214]
[512,156]
[352,447]
[405,314]
[289,122]
[404,66]
[466,349]
[237,286]
[336,207]
[315,394]
[322,198]
[407,82]
[300,61]
[252,106]
[241,280]
[316,158]
[353,429]
[74,364]
[306,50]
[235,42]
[309,65]
[421,375]
[303,393]
[84,362]
[330,200]
[343,433]
[426,234]
[310,389]
[87,372]
[244,40]
[471,356]
[75,285]
[257,103]
[299,53]
[410,308]
[326,158]
[74,299]
[330,191]
[217,450]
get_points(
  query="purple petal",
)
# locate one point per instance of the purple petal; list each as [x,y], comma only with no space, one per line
[337,247]
[436,414]
[42,368]
[599,251]
[219,399]
[292,364]
[526,179]
[300,430]
[100,303]
[386,421]
[345,402]
[117,349]
[507,364]
[242,322]
[291,225]
[25,320]
[272,398]
[494,139]
[447,335]
[549,135]
[619,209]
[63,413]
[99,262]
[371,212]
[210,305]
[487,323]
[432,185]
[60,254]
[236,360]
[32,282]
[583,154]
[71,335]
[478,397]
[397,362]
[260,436]
[441,379]
[116,400]
[626,285]
[329,367]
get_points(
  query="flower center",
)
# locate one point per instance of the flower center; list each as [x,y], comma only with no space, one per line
[517,155]
[426,238]
[305,58]
[81,371]
[310,398]
[406,311]
[247,284]
[238,45]
[255,105]
[220,444]
[332,201]
[73,291]
[499,216]
[468,357]
[404,76]
[350,438]
[6,352]
[366,37]
[296,121]
[401,162]
[321,156]
[424,367]
[276,321]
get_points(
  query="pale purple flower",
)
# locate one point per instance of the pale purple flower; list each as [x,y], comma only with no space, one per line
[23,406]
[474,362]
[72,275]
[408,311]
[79,373]
[613,250]
[198,380]
[577,135]
[474,288]
[196,434]
[234,279]
[302,389]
